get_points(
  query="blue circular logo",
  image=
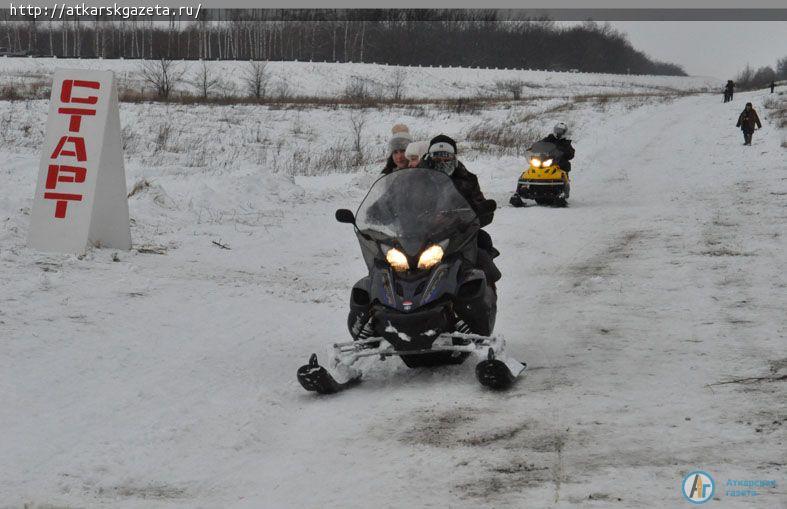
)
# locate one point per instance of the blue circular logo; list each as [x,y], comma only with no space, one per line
[698,487]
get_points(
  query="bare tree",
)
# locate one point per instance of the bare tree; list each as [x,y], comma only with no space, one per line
[396,83]
[764,76]
[356,89]
[357,122]
[781,68]
[282,90]
[162,75]
[513,87]
[204,80]
[255,77]
[227,89]
[744,77]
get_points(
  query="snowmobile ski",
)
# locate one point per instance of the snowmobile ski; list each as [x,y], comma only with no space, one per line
[496,374]
[316,378]
[516,201]
[496,369]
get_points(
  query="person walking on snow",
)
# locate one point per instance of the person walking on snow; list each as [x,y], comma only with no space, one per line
[746,121]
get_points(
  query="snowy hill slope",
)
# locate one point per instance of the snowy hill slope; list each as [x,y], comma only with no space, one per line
[332,79]
[167,380]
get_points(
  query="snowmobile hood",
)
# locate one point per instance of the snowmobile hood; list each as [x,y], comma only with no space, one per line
[544,149]
[412,208]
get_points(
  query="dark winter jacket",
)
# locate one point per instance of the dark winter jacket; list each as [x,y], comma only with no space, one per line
[747,120]
[467,185]
[564,144]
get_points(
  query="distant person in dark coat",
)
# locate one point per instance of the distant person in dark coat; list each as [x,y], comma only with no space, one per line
[746,121]
[773,85]
[730,89]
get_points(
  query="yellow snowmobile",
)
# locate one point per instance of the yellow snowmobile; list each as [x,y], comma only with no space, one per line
[543,181]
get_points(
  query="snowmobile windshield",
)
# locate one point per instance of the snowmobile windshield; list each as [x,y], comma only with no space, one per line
[413,207]
[544,149]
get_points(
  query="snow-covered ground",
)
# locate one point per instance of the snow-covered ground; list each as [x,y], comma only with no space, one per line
[319,79]
[167,380]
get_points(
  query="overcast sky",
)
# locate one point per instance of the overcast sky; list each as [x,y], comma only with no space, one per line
[710,48]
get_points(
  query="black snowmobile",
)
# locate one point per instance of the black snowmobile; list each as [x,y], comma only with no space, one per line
[428,303]
[543,181]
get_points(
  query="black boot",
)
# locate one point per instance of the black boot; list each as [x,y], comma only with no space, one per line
[476,306]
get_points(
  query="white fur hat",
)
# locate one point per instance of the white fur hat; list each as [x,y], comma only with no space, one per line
[417,148]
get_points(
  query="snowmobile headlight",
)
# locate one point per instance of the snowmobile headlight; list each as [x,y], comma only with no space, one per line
[535,162]
[431,256]
[396,259]
[548,162]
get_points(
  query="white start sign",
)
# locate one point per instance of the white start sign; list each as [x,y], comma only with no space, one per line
[81,197]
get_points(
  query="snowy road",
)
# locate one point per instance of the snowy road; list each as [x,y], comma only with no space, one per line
[168,380]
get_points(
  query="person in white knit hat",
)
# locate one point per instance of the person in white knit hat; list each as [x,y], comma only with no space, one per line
[400,138]
[415,152]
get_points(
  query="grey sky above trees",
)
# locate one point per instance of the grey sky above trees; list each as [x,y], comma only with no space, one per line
[710,48]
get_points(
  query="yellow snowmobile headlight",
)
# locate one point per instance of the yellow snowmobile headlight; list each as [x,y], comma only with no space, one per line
[535,162]
[397,260]
[548,162]
[430,257]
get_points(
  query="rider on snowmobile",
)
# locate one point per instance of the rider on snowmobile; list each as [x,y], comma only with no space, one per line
[441,156]
[400,139]
[564,144]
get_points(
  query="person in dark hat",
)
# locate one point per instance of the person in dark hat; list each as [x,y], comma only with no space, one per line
[442,157]
[746,121]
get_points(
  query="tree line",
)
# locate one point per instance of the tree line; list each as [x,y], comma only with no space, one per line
[396,37]
[749,78]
